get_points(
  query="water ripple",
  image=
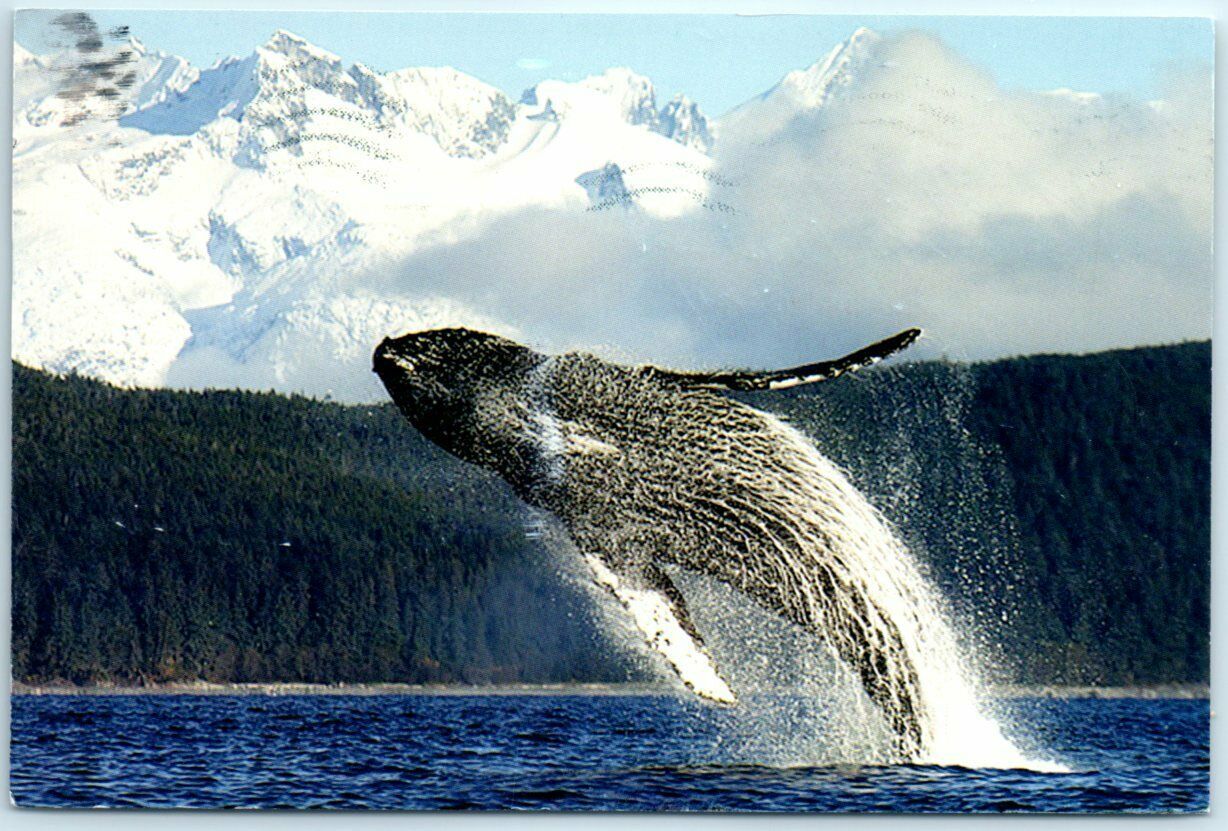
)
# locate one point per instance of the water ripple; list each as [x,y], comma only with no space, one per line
[641,753]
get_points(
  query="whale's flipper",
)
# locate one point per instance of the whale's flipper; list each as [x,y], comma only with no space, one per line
[659,612]
[807,374]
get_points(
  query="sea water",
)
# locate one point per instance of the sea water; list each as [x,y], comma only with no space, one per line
[572,752]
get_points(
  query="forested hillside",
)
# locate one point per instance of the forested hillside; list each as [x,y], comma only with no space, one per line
[166,536]
[1061,502]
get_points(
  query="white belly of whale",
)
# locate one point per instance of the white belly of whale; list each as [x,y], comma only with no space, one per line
[655,619]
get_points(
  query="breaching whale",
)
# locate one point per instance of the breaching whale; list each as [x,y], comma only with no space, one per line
[649,468]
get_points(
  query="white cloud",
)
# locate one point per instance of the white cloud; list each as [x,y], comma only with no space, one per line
[1001,222]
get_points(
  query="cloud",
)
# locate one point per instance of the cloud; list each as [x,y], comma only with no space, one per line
[321,345]
[1002,222]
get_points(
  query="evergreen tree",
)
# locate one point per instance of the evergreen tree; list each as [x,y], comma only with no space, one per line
[1061,503]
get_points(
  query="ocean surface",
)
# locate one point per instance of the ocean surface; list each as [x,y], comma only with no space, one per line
[574,753]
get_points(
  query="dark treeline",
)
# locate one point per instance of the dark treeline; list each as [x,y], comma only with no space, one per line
[165,536]
[1061,502]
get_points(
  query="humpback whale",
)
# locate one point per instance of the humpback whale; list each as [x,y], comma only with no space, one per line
[650,469]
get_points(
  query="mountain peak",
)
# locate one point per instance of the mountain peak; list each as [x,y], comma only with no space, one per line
[295,47]
[814,85]
[864,34]
[627,96]
[801,90]
[631,92]
[300,103]
[283,39]
[681,120]
[618,77]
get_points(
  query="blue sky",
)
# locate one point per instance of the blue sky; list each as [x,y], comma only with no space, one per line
[718,60]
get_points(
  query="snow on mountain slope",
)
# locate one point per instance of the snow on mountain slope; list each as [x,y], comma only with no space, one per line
[31,80]
[282,92]
[234,211]
[160,77]
[801,90]
[465,117]
[284,327]
[681,120]
[99,273]
[264,221]
[621,94]
[59,90]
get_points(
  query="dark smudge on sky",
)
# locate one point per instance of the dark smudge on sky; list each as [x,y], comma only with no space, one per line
[95,69]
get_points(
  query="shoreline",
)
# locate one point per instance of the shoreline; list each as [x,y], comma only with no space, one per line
[1155,691]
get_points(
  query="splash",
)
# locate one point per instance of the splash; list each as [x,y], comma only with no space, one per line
[648,470]
[932,671]
[804,700]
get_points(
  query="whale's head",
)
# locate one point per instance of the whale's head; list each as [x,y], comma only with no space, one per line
[462,389]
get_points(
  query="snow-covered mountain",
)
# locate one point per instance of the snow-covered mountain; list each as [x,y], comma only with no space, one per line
[621,94]
[283,94]
[220,214]
[803,90]
[71,87]
[262,222]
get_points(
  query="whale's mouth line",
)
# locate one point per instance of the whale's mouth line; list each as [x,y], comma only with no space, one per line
[385,361]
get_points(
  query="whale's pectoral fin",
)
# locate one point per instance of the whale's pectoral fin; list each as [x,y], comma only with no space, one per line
[795,376]
[660,613]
